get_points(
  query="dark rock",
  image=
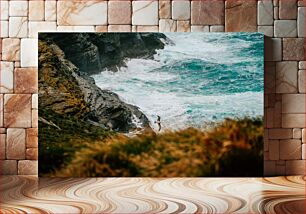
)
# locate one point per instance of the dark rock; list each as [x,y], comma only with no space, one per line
[64,90]
[93,52]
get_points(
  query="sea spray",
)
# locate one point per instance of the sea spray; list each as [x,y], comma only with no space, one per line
[199,79]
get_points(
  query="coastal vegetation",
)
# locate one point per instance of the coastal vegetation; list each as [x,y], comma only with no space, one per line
[233,147]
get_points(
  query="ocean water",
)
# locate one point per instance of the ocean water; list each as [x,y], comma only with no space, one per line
[200,79]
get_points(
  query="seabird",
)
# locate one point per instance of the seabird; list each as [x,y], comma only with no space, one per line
[158,123]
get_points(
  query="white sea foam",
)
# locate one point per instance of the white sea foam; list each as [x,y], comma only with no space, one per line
[146,84]
[199,45]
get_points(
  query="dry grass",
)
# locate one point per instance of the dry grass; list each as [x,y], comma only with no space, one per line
[232,148]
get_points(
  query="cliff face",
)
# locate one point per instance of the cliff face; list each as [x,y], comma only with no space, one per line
[66,62]
[66,92]
[73,111]
[93,52]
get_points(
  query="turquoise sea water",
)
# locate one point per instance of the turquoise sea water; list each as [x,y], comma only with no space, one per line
[201,78]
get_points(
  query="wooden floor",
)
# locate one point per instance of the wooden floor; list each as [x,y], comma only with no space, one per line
[139,195]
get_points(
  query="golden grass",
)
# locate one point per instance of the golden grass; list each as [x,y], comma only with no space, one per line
[232,148]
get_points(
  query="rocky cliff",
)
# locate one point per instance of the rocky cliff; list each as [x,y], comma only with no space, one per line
[66,92]
[93,52]
[73,111]
[65,63]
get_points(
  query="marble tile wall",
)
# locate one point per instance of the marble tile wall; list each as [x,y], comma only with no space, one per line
[282,21]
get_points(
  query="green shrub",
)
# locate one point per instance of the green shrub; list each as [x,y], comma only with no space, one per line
[57,146]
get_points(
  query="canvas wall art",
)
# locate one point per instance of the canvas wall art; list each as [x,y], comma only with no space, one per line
[151,104]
